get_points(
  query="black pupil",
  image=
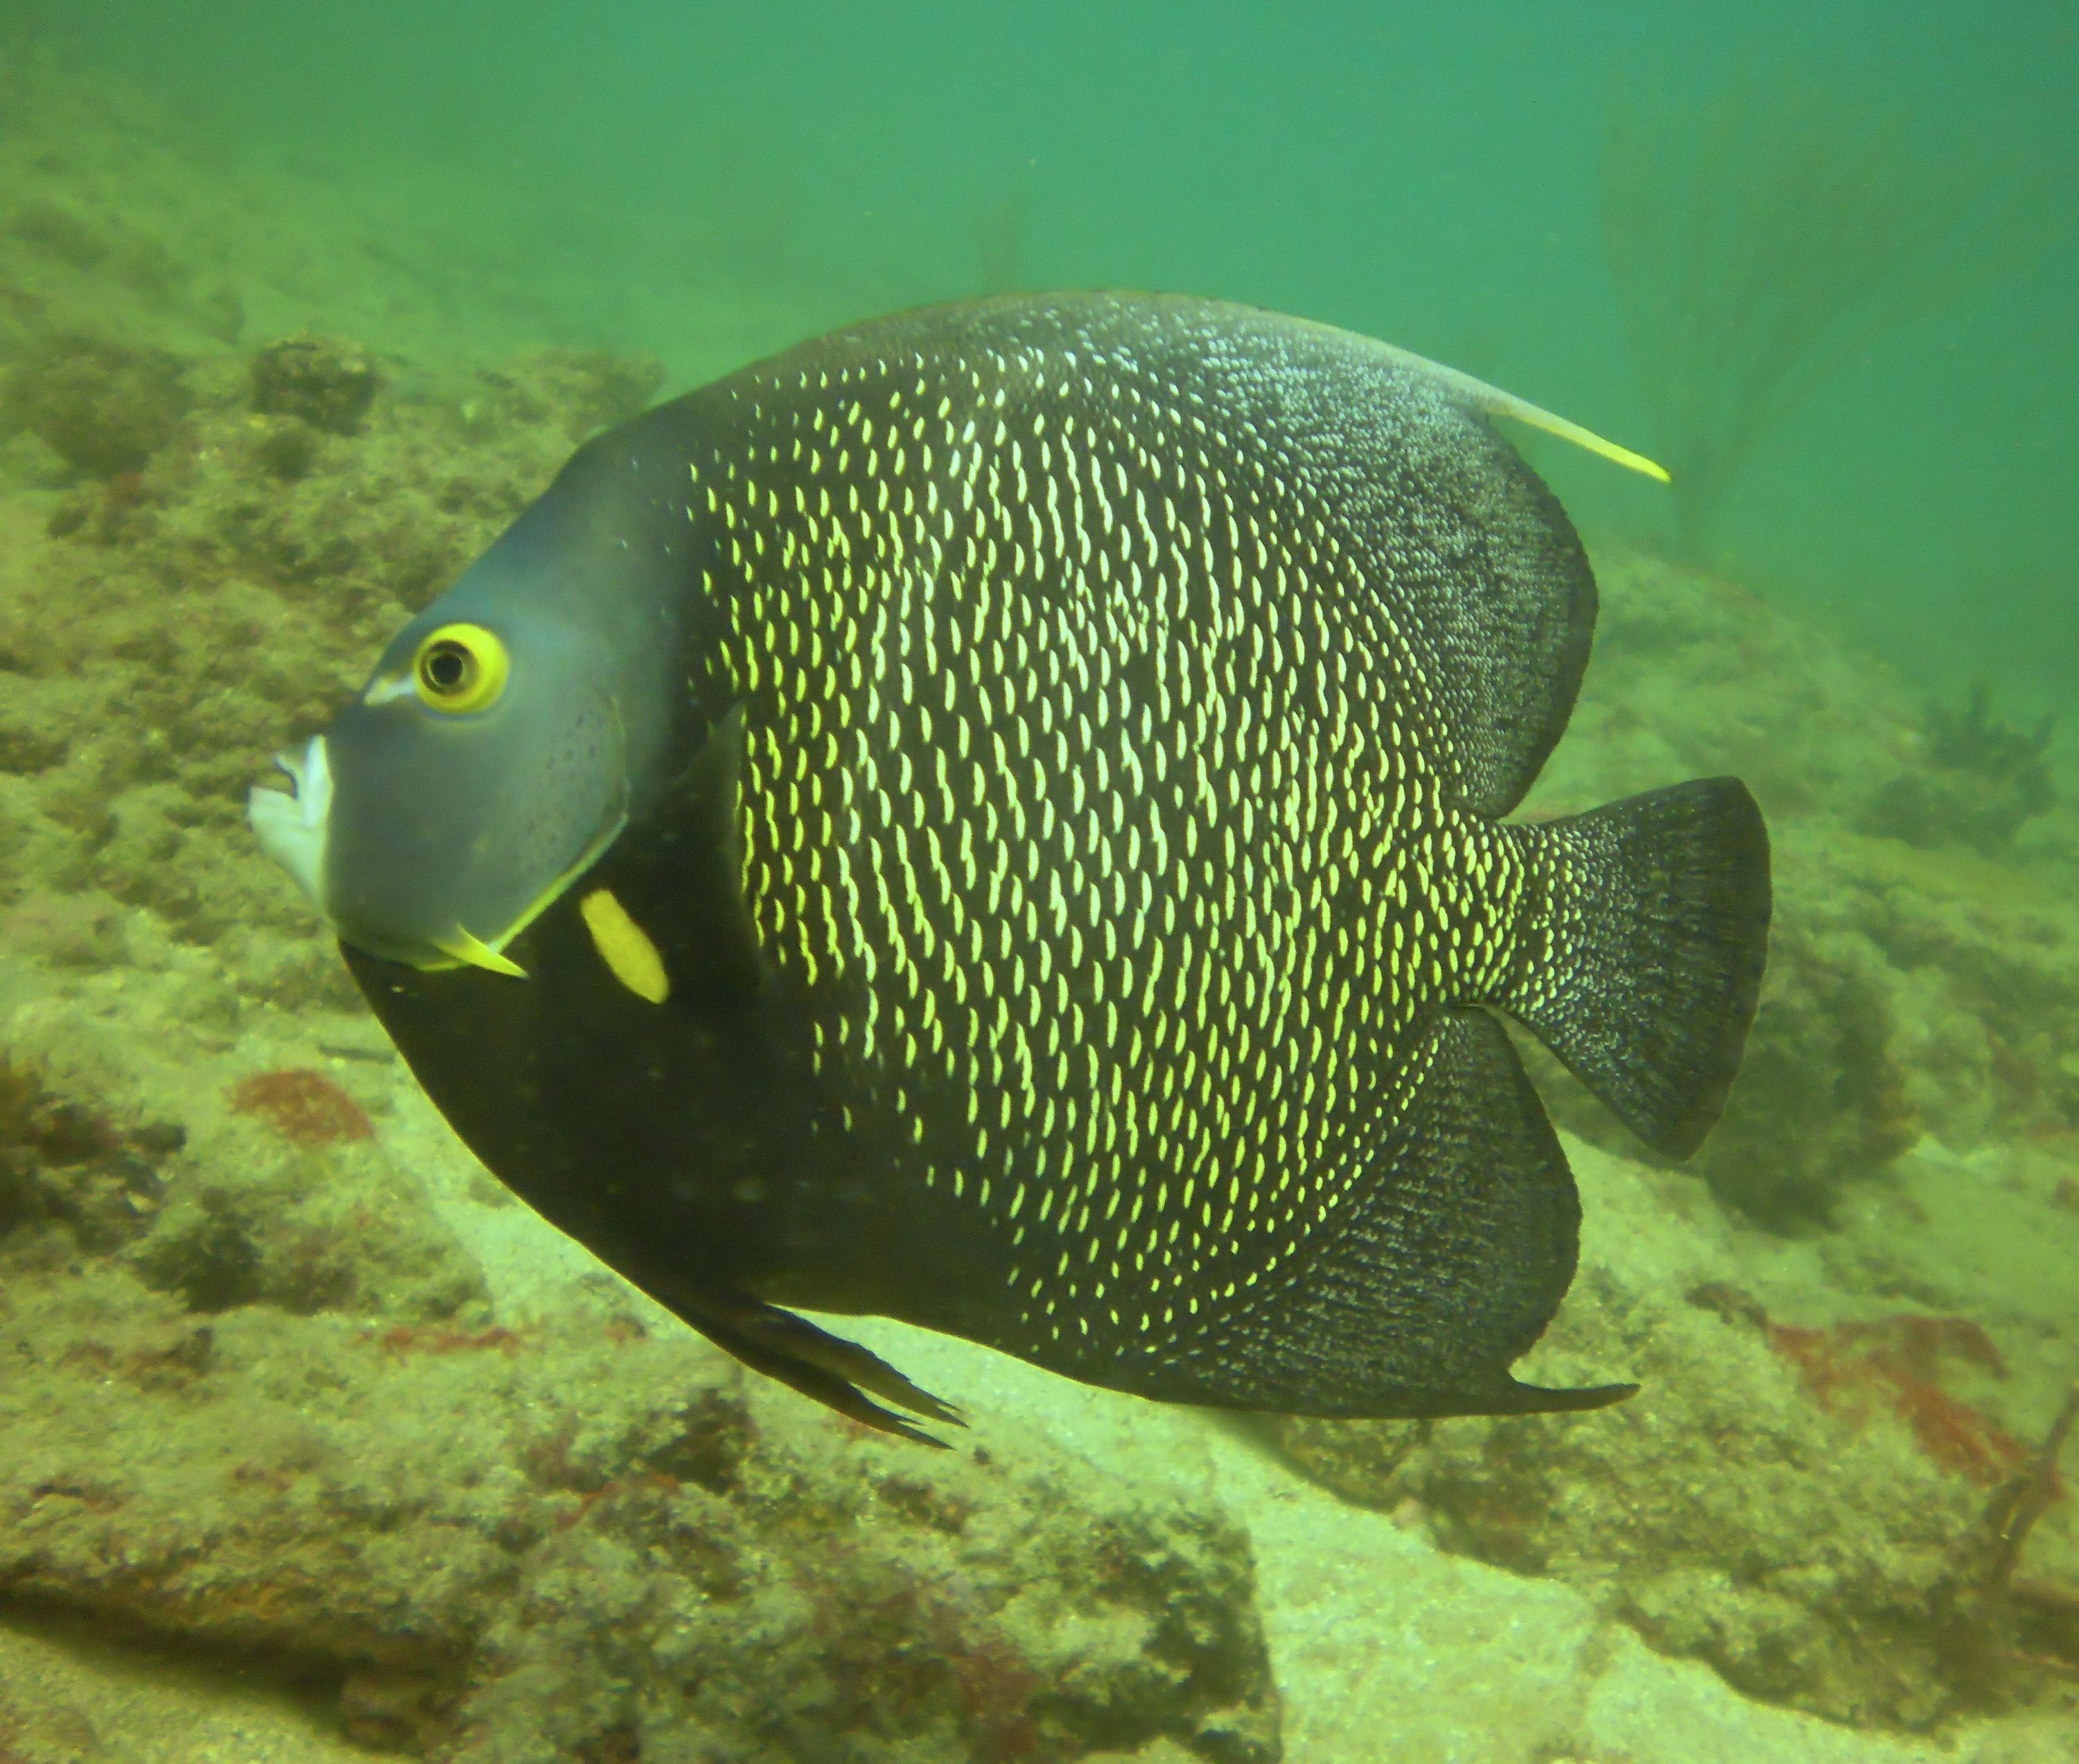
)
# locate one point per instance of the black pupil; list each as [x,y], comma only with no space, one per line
[446,667]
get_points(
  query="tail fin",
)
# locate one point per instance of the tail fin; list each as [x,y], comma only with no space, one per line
[1648,922]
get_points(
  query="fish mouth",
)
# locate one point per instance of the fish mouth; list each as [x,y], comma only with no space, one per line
[294,828]
[291,824]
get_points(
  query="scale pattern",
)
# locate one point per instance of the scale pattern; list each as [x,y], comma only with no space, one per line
[1098,805]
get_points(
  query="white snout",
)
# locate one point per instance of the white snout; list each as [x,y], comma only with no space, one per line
[290,824]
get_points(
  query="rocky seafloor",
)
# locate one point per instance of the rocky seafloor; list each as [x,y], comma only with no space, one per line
[313,1444]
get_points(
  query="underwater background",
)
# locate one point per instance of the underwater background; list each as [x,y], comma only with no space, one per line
[313,1444]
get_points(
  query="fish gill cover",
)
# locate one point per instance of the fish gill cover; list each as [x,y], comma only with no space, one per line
[305,1433]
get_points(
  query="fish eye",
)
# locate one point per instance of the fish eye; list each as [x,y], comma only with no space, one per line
[460,668]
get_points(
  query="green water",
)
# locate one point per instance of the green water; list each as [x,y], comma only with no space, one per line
[1427,175]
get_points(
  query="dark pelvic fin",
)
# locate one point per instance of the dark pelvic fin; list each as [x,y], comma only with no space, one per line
[836,1373]
[1443,1266]
[1654,927]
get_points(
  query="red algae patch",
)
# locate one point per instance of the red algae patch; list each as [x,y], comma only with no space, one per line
[416,1338]
[305,1107]
[1897,1361]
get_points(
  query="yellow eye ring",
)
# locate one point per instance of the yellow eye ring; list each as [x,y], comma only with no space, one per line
[460,668]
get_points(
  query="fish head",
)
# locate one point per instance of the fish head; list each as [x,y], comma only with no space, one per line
[509,731]
[483,769]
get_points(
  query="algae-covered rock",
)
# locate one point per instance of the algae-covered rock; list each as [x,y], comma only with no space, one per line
[104,407]
[218,1189]
[59,228]
[584,390]
[1976,782]
[259,1402]
[1823,1100]
[73,1168]
[590,1535]
[328,383]
[549,1543]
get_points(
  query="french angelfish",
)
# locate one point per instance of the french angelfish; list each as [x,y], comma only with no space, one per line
[995,818]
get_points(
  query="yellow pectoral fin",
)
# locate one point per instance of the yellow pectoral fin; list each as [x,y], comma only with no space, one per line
[466,947]
[624,947]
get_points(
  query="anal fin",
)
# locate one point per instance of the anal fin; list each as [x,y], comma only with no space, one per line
[1442,1269]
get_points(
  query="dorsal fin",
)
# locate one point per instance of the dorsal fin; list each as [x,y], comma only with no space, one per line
[1492,401]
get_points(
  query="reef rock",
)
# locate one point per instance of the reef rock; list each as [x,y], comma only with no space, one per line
[269,1410]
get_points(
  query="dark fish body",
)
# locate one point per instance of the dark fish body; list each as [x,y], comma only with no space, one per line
[1070,847]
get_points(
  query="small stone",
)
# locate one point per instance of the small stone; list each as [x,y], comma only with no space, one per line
[328,382]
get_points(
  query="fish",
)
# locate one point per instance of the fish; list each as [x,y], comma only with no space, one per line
[997,817]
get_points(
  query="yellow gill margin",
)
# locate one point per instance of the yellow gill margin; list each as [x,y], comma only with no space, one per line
[462,946]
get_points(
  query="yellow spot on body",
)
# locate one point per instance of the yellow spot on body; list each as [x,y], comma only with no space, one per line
[624,947]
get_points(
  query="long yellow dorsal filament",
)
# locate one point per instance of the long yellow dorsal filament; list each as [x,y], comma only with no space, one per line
[1583,437]
[1480,396]
[624,947]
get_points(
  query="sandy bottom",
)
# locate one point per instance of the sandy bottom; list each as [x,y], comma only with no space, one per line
[127,1704]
